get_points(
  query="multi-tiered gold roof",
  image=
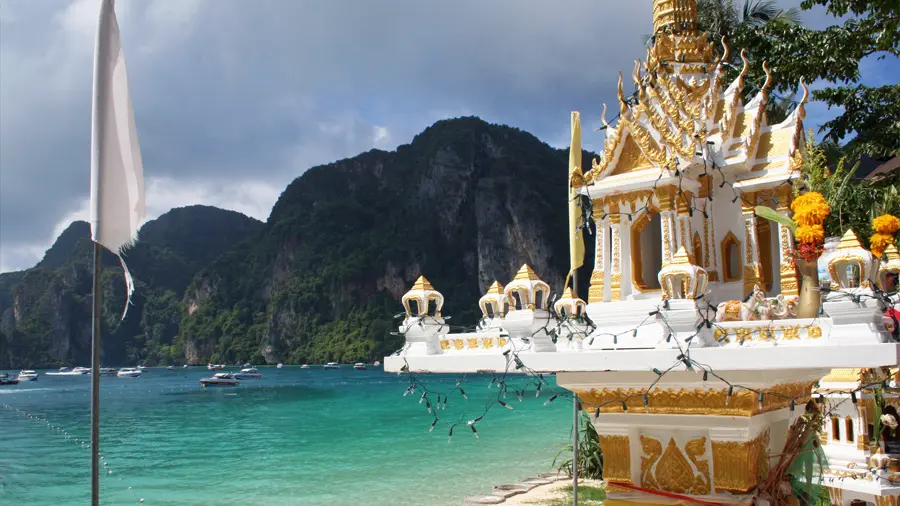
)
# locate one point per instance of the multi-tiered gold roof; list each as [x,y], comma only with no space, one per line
[682,107]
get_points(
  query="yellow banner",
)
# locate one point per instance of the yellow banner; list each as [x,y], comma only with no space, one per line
[576,239]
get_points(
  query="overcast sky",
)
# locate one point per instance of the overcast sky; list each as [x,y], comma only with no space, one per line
[235,98]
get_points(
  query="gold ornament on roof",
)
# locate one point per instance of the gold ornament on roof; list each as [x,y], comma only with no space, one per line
[526,273]
[496,288]
[422,284]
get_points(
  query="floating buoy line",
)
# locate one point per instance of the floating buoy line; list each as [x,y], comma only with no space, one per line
[82,443]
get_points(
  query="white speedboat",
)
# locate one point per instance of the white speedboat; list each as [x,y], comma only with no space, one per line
[359,366]
[64,371]
[170,368]
[215,367]
[304,366]
[27,375]
[108,371]
[143,368]
[6,380]
[248,373]
[332,365]
[129,372]
[220,379]
[280,365]
[377,363]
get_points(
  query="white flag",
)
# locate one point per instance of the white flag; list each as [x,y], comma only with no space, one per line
[117,179]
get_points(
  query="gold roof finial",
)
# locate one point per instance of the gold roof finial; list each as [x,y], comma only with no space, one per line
[681,257]
[725,51]
[849,241]
[891,253]
[744,69]
[801,109]
[768,84]
[422,284]
[496,288]
[525,273]
[674,15]
[623,106]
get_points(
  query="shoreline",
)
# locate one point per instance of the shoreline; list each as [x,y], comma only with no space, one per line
[543,487]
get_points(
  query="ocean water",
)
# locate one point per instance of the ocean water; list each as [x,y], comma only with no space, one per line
[296,436]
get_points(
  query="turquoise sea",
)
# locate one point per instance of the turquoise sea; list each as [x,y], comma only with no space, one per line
[296,436]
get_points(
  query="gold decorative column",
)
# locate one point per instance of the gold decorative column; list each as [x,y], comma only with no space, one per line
[667,221]
[615,275]
[598,276]
[709,233]
[738,466]
[751,242]
[616,458]
[789,285]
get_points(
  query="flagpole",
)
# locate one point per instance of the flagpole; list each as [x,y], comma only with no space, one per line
[95,381]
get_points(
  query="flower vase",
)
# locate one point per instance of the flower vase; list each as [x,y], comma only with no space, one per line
[810,296]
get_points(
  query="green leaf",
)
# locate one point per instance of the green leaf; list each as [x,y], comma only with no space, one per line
[773,215]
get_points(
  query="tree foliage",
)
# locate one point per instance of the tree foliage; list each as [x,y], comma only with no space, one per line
[868,29]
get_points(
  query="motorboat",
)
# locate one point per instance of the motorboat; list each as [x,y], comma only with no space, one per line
[143,368]
[184,366]
[64,371]
[248,364]
[280,365]
[215,367]
[304,366]
[248,373]
[377,364]
[332,365]
[27,375]
[129,372]
[359,366]
[170,368]
[108,371]
[6,380]
[220,379]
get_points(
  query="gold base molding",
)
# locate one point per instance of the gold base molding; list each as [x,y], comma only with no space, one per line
[687,401]
[739,466]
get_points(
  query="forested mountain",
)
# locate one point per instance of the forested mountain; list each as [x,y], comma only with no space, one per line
[45,311]
[466,202]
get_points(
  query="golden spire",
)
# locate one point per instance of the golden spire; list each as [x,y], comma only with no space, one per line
[891,253]
[848,241]
[495,288]
[422,284]
[525,273]
[674,15]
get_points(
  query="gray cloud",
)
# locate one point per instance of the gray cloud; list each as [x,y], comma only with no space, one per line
[233,94]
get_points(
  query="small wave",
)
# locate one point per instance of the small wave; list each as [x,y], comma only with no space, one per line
[23,390]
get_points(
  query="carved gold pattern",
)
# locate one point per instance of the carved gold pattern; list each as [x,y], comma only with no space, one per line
[674,473]
[445,344]
[458,344]
[646,142]
[616,458]
[652,449]
[487,342]
[697,401]
[768,333]
[501,342]
[630,158]
[666,236]
[738,466]
[472,342]
[595,294]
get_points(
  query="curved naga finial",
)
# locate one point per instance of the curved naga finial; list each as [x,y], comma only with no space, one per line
[623,106]
[801,109]
[636,73]
[768,84]
[744,70]
[725,51]
[603,118]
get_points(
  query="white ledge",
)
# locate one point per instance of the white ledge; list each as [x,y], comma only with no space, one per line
[719,359]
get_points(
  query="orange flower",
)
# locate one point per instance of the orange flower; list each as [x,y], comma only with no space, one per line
[886,224]
[879,243]
[810,234]
[810,209]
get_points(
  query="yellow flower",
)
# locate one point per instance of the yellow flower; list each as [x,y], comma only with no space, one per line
[810,234]
[810,209]
[879,243]
[886,224]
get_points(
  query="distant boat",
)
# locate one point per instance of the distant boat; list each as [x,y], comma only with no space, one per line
[332,365]
[170,368]
[27,375]
[184,366]
[129,372]
[108,371]
[220,379]
[304,366]
[143,368]
[64,371]
[215,367]
[359,366]
[377,363]
[6,380]
[248,373]
[248,364]
[280,365]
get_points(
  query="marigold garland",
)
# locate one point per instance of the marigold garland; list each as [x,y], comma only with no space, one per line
[810,211]
[885,227]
